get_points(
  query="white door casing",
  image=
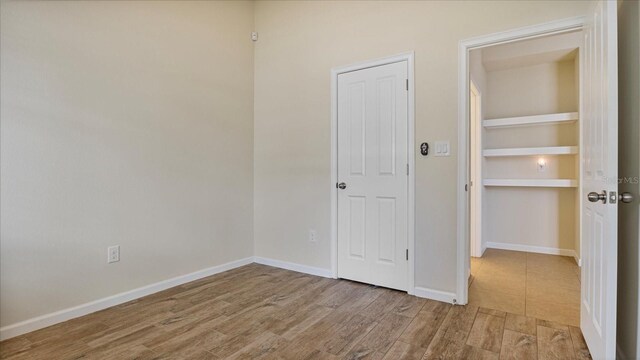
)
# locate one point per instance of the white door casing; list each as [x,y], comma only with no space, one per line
[599,175]
[475,170]
[372,162]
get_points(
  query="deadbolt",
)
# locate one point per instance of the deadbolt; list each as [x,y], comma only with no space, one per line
[595,197]
[342,186]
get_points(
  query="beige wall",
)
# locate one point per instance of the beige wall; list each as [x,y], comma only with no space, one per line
[299,44]
[629,168]
[532,90]
[123,123]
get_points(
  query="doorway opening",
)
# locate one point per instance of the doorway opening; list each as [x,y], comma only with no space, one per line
[524,172]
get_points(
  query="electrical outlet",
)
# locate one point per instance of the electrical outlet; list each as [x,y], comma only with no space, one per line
[113,254]
[313,236]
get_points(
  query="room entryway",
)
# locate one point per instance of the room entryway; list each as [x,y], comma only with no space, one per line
[373,175]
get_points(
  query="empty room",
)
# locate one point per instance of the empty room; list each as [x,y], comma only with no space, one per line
[319,179]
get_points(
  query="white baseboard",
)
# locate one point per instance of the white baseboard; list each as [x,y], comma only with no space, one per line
[294,267]
[432,294]
[43,321]
[533,249]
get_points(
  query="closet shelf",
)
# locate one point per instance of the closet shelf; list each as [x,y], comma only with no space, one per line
[560,183]
[547,119]
[550,150]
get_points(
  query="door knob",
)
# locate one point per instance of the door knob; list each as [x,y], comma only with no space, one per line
[595,197]
[342,186]
[625,197]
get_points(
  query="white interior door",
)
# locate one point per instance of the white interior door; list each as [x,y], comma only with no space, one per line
[599,181]
[372,172]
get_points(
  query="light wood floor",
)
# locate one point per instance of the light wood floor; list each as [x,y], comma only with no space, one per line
[260,312]
[537,285]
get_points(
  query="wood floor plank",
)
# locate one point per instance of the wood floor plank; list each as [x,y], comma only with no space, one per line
[458,322]
[308,321]
[403,351]
[14,347]
[492,312]
[554,344]
[520,323]
[551,324]
[323,329]
[435,306]
[348,335]
[423,328]
[263,347]
[487,332]
[381,337]
[579,345]
[225,346]
[297,351]
[340,294]
[121,352]
[518,346]
[442,348]
[409,306]
[383,304]
[54,350]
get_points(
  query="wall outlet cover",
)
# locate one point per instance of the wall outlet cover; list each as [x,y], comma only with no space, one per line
[442,148]
[113,254]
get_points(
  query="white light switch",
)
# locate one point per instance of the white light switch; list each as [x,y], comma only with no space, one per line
[443,148]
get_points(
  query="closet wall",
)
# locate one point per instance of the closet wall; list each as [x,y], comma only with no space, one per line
[530,172]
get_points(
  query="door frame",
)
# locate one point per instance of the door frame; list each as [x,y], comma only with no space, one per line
[409,58]
[464,46]
[475,215]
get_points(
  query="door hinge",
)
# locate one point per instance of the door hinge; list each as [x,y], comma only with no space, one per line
[407,169]
[407,252]
[407,83]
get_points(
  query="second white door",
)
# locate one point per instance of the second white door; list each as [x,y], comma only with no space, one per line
[372,175]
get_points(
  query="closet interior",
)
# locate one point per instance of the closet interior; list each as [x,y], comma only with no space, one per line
[525,169]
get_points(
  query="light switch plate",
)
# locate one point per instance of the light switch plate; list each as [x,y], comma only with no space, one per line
[442,148]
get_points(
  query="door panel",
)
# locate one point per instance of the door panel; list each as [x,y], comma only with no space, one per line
[356,119]
[386,125]
[357,228]
[599,175]
[372,156]
[386,236]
